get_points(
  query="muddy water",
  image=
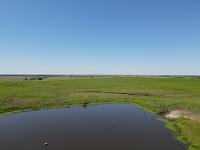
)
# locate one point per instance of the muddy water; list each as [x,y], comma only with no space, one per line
[99,127]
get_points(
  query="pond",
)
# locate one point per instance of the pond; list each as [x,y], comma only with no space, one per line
[97,127]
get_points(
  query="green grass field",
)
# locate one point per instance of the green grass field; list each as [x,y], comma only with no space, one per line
[152,93]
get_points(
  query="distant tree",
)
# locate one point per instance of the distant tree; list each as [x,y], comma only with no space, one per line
[40,78]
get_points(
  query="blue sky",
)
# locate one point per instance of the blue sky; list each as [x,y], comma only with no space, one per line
[100,37]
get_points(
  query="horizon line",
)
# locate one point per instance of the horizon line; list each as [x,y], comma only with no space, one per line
[36,74]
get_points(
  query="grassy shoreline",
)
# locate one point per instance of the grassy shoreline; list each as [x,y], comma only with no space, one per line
[152,94]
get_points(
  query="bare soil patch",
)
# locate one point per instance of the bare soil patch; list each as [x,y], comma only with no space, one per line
[177,113]
[124,93]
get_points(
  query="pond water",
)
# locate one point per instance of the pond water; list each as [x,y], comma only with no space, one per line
[97,127]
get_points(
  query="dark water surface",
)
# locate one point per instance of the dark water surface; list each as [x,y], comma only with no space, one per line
[99,127]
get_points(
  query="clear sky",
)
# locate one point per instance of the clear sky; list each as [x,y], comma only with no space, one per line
[100,37]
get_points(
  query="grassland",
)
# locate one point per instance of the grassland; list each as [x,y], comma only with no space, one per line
[153,93]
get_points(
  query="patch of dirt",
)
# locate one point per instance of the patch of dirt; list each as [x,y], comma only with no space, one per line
[176,114]
[13,101]
[124,93]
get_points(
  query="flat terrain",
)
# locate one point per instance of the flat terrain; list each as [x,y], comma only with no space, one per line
[157,94]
